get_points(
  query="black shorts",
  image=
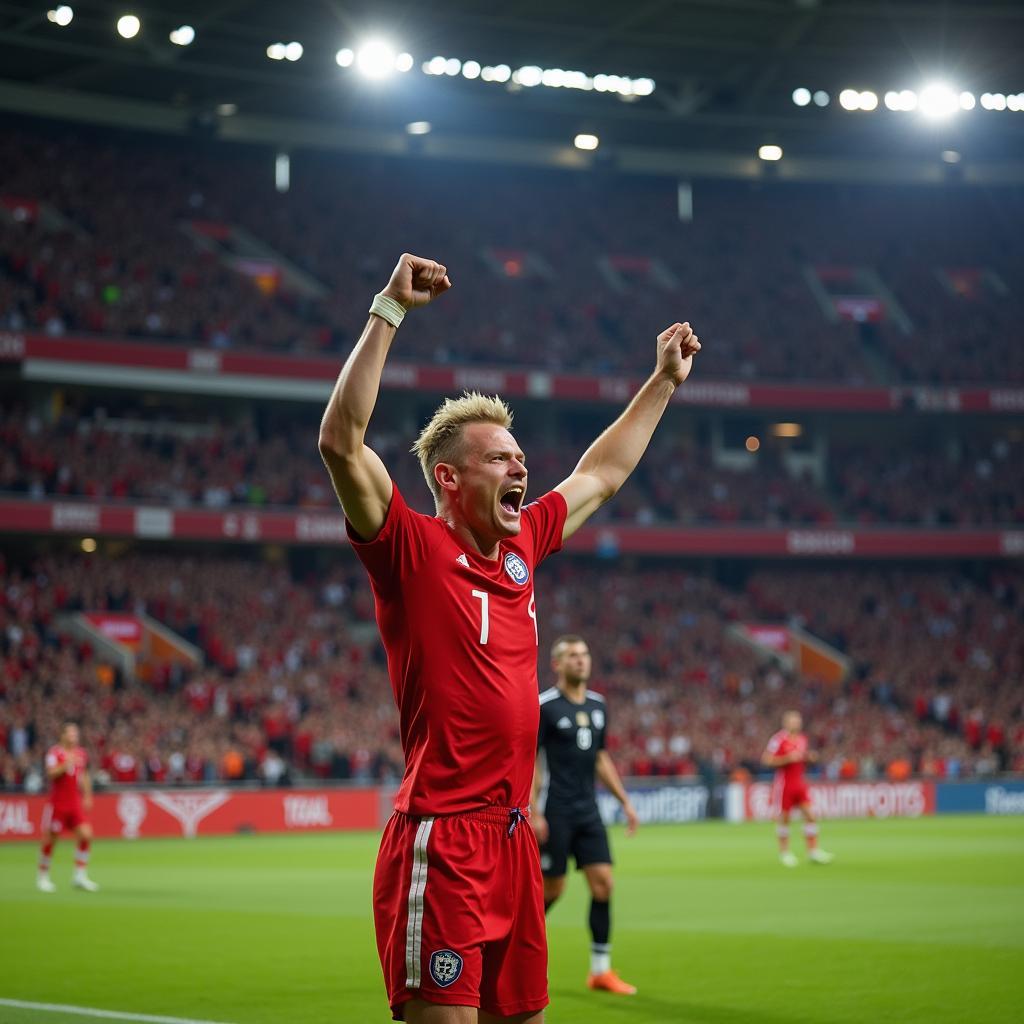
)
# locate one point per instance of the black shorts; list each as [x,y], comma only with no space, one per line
[585,837]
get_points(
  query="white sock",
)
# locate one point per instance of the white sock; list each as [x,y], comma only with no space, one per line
[600,959]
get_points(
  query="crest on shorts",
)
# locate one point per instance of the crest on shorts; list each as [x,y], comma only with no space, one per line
[516,568]
[445,967]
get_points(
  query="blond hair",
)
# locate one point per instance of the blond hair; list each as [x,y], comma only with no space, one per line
[441,439]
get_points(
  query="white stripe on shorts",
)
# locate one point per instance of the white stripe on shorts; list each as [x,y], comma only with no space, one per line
[417,887]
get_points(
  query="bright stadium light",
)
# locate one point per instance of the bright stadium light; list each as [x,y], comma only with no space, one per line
[950,156]
[471,69]
[821,98]
[434,66]
[967,101]
[1014,102]
[801,97]
[61,16]
[183,36]
[404,62]
[868,100]
[276,51]
[452,66]
[344,57]
[128,26]
[293,52]
[770,153]
[938,101]
[849,99]
[643,86]
[418,127]
[588,142]
[909,99]
[376,58]
[528,76]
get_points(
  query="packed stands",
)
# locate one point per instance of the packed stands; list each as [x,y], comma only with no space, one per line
[551,269]
[294,685]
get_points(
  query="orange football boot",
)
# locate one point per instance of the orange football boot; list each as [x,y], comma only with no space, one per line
[609,981]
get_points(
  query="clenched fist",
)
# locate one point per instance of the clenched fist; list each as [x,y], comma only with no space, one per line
[416,281]
[677,345]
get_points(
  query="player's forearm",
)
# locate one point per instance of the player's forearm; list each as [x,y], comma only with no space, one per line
[538,782]
[610,779]
[352,402]
[616,453]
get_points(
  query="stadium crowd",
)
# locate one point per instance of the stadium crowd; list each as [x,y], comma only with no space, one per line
[552,269]
[294,684]
[269,461]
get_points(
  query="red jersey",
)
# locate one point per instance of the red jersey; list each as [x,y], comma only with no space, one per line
[781,744]
[64,791]
[460,632]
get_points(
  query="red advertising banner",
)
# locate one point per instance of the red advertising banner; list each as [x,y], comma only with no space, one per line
[121,628]
[150,813]
[177,367]
[849,800]
[290,526]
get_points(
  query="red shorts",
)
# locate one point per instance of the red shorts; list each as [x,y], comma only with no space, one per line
[57,818]
[458,905]
[788,797]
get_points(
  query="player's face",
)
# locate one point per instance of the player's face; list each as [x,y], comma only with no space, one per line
[793,721]
[573,664]
[70,736]
[490,481]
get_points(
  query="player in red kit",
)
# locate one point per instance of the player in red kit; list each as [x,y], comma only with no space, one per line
[787,753]
[457,894]
[70,801]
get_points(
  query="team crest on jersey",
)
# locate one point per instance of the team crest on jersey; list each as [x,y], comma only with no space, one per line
[598,717]
[516,568]
[445,967]
[582,719]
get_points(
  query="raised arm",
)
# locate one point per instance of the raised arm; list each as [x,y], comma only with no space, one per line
[360,480]
[607,463]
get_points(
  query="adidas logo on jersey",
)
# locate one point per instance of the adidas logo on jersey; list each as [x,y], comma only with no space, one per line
[564,723]
[463,560]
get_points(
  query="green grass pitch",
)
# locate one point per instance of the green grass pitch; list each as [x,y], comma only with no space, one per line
[916,921]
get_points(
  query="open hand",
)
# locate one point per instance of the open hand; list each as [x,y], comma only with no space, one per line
[540,827]
[416,281]
[677,346]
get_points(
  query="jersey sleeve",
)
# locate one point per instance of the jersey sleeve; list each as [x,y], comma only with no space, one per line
[546,517]
[52,758]
[399,549]
[774,746]
[602,739]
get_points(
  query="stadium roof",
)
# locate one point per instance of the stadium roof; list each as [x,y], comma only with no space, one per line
[725,70]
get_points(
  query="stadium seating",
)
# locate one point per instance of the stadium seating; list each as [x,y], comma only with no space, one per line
[294,685]
[94,243]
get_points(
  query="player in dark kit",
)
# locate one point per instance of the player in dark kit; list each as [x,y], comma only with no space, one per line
[573,726]
[457,894]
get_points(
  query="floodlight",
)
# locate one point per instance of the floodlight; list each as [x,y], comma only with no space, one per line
[502,73]
[892,101]
[801,97]
[60,15]
[128,26]
[770,152]
[868,100]
[849,99]
[452,66]
[821,98]
[643,86]
[404,62]
[1014,102]
[938,101]
[471,69]
[344,57]
[584,141]
[276,51]
[950,156]
[529,76]
[183,36]
[418,127]
[434,66]
[293,52]
[376,58]
[967,101]
[909,99]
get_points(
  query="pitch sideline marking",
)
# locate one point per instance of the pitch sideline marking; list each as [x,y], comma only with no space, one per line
[88,1011]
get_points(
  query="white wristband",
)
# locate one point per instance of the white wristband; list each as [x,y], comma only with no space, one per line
[387,309]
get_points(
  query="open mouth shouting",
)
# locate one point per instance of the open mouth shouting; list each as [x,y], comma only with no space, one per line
[511,500]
